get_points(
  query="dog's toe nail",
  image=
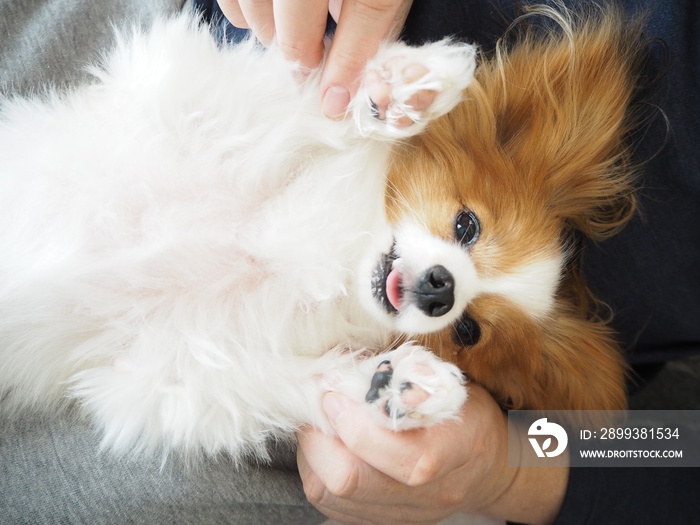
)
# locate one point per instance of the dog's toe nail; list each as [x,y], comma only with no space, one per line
[393,413]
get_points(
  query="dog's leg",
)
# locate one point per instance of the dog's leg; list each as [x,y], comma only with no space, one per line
[404,88]
[406,388]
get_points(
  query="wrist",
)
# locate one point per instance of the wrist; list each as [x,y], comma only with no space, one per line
[532,495]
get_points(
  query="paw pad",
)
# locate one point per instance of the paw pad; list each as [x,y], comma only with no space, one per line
[414,388]
[406,87]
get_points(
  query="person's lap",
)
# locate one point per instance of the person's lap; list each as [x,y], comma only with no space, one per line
[51,470]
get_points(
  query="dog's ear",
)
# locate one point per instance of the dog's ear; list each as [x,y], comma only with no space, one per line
[566,359]
[582,371]
[563,361]
[560,98]
[580,366]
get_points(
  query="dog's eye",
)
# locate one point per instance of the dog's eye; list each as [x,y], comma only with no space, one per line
[467,228]
[466,332]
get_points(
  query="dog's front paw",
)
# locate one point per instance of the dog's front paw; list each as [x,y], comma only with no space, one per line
[406,87]
[411,388]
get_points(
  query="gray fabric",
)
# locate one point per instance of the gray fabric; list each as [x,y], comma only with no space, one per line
[50,41]
[51,470]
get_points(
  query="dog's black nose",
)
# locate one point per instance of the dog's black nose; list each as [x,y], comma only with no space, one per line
[435,293]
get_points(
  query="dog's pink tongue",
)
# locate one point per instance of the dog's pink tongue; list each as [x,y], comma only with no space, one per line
[393,288]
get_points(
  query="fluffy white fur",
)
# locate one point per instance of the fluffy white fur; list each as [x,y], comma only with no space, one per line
[187,244]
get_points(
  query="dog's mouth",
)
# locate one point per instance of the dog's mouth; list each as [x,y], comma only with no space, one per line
[387,282]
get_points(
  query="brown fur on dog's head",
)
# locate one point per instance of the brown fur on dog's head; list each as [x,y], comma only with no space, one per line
[537,152]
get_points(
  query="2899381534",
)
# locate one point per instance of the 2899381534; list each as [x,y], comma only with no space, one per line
[642,433]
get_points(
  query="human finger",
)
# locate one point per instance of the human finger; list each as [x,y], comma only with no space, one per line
[300,28]
[362,26]
[352,496]
[423,455]
[232,12]
[400,455]
[260,18]
[334,471]
[343,488]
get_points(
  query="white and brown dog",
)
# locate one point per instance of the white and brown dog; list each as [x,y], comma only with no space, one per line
[193,253]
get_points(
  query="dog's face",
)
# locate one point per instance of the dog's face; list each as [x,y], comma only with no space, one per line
[477,268]
[487,205]
[457,241]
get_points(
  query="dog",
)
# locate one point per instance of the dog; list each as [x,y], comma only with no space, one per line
[192,253]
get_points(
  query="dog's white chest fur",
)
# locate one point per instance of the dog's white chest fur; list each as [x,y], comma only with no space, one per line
[184,241]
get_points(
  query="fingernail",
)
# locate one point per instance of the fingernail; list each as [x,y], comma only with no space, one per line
[335,102]
[334,405]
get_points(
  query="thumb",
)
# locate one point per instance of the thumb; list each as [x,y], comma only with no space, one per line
[362,26]
[394,454]
[338,407]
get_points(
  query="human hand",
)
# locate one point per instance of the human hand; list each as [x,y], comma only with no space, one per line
[370,474]
[299,27]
